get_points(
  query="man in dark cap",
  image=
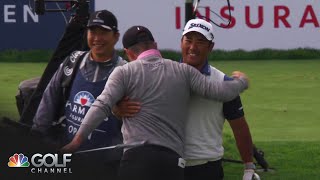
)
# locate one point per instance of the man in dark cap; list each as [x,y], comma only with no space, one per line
[75,86]
[163,87]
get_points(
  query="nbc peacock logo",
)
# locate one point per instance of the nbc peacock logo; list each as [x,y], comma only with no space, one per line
[18,160]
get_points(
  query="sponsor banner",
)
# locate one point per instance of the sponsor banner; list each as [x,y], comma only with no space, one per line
[278,24]
[21,28]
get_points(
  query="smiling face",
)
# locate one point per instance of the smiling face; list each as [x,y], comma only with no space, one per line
[101,42]
[195,49]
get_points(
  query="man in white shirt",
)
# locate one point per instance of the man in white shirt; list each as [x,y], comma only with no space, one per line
[203,148]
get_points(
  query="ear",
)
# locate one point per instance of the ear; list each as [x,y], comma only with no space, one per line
[117,36]
[131,56]
[211,46]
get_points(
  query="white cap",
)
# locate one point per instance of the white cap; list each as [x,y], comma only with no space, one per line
[200,26]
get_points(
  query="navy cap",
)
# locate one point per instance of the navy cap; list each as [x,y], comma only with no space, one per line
[135,35]
[104,19]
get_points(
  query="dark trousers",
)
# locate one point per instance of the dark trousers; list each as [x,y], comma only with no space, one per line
[211,170]
[97,165]
[150,162]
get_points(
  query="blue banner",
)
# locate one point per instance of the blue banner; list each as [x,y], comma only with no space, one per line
[22,29]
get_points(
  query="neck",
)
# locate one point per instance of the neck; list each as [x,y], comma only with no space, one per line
[101,58]
[200,66]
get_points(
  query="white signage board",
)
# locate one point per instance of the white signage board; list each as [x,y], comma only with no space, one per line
[257,24]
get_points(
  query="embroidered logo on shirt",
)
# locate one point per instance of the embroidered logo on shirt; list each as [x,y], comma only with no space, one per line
[67,71]
[84,98]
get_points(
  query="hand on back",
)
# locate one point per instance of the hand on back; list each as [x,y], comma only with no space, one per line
[126,108]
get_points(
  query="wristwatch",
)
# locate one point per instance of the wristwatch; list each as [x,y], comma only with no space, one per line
[250,165]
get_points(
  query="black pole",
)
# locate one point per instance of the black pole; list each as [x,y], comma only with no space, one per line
[188,10]
[39,7]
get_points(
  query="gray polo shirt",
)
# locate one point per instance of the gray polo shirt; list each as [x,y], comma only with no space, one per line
[163,87]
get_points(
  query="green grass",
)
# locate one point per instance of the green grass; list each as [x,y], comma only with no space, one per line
[281,108]
[293,160]
[11,75]
[282,98]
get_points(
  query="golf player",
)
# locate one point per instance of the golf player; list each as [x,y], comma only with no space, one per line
[203,148]
[163,87]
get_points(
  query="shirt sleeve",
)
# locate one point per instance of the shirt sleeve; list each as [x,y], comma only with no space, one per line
[232,109]
[214,89]
[50,104]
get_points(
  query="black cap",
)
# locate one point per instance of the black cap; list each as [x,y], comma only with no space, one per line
[104,19]
[136,34]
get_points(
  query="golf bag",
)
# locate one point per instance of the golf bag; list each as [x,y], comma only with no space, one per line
[25,91]
[29,97]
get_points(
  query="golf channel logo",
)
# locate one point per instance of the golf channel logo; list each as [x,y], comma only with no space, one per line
[18,160]
[48,163]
